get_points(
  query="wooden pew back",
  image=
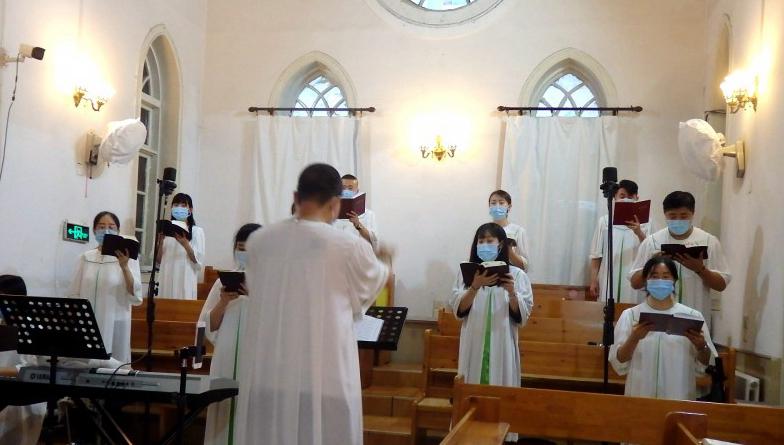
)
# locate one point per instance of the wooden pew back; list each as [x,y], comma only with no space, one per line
[685,428]
[441,352]
[611,418]
[168,335]
[170,310]
[480,425]
[561,291]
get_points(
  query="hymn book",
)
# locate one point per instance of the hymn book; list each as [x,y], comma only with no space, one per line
[355,204]
[368,329]
[113,243]
[498,268]
[232,279]
[673,324]
[626,211]
[694,251]
[172,228]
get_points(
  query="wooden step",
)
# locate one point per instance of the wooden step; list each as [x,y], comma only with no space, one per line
[389,400]
[399,375]
[385,430]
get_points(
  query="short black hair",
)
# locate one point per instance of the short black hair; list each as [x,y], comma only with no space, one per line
[503,194]
[495,231]
[12,285]
[104,213]
[679,199]
[660,259]
[244,232]
[628,185]
[319,183]
[348,176]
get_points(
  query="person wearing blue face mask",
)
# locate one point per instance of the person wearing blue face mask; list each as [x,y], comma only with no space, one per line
[363,225]
[657,364]
[492,309]
[181,258]
[626,240]
[224,315]
[698,276]
[500,203]
[112,284]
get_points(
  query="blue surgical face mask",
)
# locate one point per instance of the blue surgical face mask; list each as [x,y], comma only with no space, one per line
[498,212]
[101,233]
[346,193]
[679,226]
[487,252]
[660,289]
[180,213]
[241,257]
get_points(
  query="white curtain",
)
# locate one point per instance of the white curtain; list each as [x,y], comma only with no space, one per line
[552,168]
[284,146]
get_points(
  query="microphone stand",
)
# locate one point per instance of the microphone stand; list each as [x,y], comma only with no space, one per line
[609,188]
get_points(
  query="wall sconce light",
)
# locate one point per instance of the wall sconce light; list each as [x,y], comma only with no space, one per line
[740,91]
[438,151]
[96,100]
[737,151]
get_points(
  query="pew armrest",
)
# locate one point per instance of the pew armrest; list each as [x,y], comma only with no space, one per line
[479,425]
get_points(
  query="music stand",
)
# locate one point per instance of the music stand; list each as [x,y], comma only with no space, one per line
[54,327]
[393,317]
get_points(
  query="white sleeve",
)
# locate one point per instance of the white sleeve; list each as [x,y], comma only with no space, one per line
[458,290]
[644,253]
[370,225]
[622,330]
[198,245]
[717,262]
[597,245]
[212,300]
[366,275]
[522,246]
[75,290]
[136,298]
[699,368]
[524,294]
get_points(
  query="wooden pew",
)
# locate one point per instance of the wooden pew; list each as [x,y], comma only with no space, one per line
[685,428]
[613,418]
[203,288]
[169,309]
[561,291]
[480,425]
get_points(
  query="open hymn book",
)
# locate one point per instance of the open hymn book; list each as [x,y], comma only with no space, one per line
[673,324]
[468,270]
[368,329]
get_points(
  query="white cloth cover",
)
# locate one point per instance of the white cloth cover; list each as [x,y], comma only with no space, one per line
[308,282]
[178,275]
[226,362]
[21,425]
[689,289]
[700,148]
[552,168]
[625,244]
[99,279]
[284,146]
[662,366]
[123,141]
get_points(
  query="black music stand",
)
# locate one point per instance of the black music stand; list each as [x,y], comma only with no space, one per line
[7,338]
[393,317]
[54,327]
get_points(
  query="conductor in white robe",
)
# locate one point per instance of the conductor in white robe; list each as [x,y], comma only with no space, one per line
[307,282]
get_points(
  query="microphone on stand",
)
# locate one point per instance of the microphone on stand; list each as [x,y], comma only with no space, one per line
[609,187]
[609,181]
[168,183]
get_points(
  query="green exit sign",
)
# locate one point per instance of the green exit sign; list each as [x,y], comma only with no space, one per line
[76,233]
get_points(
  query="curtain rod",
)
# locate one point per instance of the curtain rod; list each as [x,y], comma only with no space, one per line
[614,110]
[271,110]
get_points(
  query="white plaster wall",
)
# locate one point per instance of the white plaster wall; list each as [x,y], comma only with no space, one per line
[753,218]
[42,185]
[654,51]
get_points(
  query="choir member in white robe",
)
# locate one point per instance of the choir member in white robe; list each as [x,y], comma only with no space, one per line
[363,225]
[657,364]
[697,276]
[224,316]
[492,309]
[181,259]
[112,284]
[308,282]
[626,240]
[19,425]
[500,202]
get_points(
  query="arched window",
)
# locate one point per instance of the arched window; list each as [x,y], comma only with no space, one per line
[569,91]
[439,13]
[320,93]
[159,97]
[441,5]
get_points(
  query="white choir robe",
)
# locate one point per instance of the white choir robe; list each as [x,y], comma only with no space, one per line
[368,219]
[226,361]
[689,289]
[99,279]
[20,425]
[517,233]
[625,244]
[299,381]
[178,276]
[662,366]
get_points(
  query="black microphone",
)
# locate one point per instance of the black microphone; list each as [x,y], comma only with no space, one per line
[170,174]
[168,183]
[609,174]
